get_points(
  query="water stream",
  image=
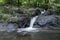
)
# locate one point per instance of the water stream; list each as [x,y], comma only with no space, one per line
[30,28]
[31,33]
[32,21]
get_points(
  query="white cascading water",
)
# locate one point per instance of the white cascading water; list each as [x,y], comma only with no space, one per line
[42,12]
[30,28]
[32,21]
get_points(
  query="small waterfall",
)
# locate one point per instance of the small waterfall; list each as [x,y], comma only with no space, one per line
[42,12]
[32,21]
[30,28]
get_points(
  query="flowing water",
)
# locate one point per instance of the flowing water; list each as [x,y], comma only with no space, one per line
[42,12]
[29,33]
[32,21]
[30,28]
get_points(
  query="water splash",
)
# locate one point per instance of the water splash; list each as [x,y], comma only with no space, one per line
[42,12]
[27,30]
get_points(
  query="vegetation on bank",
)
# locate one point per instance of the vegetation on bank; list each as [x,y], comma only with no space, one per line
[11,8]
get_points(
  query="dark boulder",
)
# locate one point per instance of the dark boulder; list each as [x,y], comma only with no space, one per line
[53,12]
[38,11]
[23,21]
[44,21]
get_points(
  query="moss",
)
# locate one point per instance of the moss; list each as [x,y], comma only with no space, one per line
[5,16]
[13,19]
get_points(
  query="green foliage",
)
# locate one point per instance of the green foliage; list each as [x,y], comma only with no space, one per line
[2,1]
[4,17]
[24,5]
[1,9]
[13,19]
[56,1]
[5,10]
[32,3]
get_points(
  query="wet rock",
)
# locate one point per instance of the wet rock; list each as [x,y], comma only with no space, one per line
[7,27]
[36,26]
[43,21]
[58,19]
[11,27]
[38,11]
[52,11]
[44,12]
[46,19]
[22,21]
[34,11]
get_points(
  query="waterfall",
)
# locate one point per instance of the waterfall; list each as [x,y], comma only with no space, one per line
[32,21]
[42,12]
[30,28]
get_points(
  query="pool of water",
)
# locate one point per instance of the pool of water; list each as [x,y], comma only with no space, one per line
[31,36]
[40,35]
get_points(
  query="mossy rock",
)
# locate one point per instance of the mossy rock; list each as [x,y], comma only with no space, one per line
[13,19]
[1,20]
[5,16]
